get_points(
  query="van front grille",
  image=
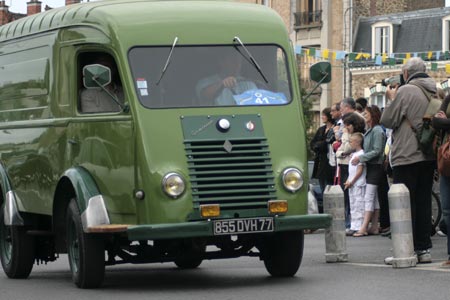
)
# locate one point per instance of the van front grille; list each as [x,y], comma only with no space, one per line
[237,174]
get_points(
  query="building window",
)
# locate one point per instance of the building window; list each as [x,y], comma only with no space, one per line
[308,14]
[378,99]
[446,34]
[382,38]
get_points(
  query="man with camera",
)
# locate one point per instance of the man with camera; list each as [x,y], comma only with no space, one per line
[410,165]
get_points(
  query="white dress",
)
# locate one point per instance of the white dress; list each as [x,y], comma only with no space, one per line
[356,193]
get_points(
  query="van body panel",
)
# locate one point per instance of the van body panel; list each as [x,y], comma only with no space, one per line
[226,155]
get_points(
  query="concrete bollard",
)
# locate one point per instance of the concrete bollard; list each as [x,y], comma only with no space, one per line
[401,227]
[335,243]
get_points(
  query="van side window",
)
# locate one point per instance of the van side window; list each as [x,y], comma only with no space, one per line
[93,97]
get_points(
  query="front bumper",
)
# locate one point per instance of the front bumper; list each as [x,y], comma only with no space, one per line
[205,228]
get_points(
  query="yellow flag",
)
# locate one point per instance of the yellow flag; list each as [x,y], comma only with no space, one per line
[384,57]
[408,55]
[367,55]
[307,52]
[405,60]
[358,56]
[430,54]
[325,53]
[333,55]
[447,68]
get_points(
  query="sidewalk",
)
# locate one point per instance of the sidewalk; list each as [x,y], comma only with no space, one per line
[370,250]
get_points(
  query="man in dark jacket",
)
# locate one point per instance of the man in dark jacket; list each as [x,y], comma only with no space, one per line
[410,165]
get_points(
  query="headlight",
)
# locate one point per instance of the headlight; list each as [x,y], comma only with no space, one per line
[292,179]
[173,185]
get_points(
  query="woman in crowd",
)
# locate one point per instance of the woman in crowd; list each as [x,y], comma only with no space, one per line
[322,169]
[441,121]
[373,157]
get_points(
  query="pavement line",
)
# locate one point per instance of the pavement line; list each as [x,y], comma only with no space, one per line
[424,267]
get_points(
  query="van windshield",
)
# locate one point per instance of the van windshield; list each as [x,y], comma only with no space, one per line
[199,76]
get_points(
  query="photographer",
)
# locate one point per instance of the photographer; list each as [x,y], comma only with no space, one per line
[410,165]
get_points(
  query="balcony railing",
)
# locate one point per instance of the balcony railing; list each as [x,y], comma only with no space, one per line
[308,19]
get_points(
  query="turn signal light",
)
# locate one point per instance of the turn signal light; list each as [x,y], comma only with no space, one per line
[210,210]
[278,206]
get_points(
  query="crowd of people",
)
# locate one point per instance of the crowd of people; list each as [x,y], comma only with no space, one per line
[360,146]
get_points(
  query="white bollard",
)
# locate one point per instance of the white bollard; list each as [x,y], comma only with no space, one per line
[401,227]
[335,243]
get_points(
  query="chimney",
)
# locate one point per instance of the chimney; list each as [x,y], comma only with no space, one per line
[4,13]
[68,2]
[33,7]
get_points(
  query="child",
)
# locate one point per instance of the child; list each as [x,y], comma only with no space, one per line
[356,183]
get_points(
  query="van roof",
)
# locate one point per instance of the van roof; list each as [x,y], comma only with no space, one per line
[160,17]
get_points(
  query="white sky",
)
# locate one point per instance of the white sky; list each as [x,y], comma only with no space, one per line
[20,6]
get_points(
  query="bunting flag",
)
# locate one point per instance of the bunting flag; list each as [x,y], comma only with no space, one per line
[434,66]
[379,60]
[447,68]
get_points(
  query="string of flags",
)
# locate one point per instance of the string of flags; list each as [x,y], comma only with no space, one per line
[383,59]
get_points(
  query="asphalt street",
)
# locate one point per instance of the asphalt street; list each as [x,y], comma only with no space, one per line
[364,276]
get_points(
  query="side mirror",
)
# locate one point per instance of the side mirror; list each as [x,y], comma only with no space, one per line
[320,72]
[96,75]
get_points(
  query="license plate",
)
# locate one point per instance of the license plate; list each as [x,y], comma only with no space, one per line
[250,225]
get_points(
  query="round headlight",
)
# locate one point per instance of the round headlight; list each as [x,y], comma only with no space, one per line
[173,185]
[292,179]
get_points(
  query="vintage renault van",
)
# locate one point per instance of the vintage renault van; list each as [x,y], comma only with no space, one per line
[140,131]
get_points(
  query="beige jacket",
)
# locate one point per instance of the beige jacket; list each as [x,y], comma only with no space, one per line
[410,103]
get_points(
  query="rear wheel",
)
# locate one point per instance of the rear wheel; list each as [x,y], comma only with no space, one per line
[16,249]
[86,251]
[191,256]
[283,253]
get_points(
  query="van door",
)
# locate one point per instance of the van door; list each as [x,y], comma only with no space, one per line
[101,136]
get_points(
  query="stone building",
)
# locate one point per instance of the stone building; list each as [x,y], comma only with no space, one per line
[33,7]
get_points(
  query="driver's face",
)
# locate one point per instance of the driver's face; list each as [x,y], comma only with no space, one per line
[231,65]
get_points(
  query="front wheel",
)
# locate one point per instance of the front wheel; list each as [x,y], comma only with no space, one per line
[283,253]
[86,251]
[16,250]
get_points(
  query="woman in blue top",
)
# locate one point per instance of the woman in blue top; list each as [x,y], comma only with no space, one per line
[374,143]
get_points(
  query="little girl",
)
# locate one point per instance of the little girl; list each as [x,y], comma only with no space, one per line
[356,183]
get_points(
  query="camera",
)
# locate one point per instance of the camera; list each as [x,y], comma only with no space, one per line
[394,80]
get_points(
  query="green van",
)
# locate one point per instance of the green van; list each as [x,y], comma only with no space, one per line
[141,131]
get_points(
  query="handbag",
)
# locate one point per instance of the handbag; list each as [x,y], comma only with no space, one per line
[443,158]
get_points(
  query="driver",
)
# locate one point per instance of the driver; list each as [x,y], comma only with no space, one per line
[222,86]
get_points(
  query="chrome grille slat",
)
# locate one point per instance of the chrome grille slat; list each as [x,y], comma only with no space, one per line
[236,179]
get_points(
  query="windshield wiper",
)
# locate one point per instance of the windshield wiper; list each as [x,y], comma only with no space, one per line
[252,59]
[168,60]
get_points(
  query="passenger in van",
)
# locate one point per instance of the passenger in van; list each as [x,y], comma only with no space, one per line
[220,88]
[95,100]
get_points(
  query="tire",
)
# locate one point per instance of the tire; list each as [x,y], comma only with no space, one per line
[86,251]
[186,263]
[16,250]
[283,253]
[191,257]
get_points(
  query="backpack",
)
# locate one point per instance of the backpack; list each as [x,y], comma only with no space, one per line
[427,136]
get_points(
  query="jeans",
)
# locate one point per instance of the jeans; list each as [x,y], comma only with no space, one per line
[418,178]
[445,201]
[343,169]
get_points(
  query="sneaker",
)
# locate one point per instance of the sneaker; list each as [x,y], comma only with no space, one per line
[423,256]
[389,260]
[440,233]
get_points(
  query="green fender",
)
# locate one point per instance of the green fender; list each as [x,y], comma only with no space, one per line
[90,202]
